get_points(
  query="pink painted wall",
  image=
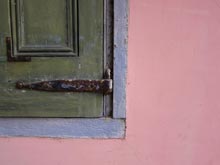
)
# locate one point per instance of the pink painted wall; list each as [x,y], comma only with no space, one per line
[173,95]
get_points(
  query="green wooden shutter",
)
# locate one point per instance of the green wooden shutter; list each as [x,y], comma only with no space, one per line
[64,39]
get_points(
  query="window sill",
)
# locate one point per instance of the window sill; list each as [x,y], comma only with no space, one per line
[63,128]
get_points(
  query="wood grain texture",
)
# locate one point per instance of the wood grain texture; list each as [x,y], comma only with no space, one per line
[88,65]
[41,27]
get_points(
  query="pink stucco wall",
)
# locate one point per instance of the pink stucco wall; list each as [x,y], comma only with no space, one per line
[173,95]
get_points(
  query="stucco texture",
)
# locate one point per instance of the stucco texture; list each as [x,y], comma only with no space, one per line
[173,91]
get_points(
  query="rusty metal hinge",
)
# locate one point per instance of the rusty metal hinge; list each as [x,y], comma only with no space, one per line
[11,57]
[104,86]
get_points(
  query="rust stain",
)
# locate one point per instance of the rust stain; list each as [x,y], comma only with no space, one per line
[97,86]
[104,86]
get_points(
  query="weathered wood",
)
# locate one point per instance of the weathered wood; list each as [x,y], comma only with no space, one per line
[87,65]
[44,28]
[72,128]
[108,50]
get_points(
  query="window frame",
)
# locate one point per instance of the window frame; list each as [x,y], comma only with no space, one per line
[106,127]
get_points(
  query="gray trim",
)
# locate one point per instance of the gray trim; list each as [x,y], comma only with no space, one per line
[120,57]
[85,128]
[62,128]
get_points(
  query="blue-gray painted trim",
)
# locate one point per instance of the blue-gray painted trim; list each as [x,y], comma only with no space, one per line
[120,57]
[62,128]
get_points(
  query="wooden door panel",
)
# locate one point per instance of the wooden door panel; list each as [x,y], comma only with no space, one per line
[40,27]
[88,64]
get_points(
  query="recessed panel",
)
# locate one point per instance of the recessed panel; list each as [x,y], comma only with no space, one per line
[44,27]
[43,23]
[89,66]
